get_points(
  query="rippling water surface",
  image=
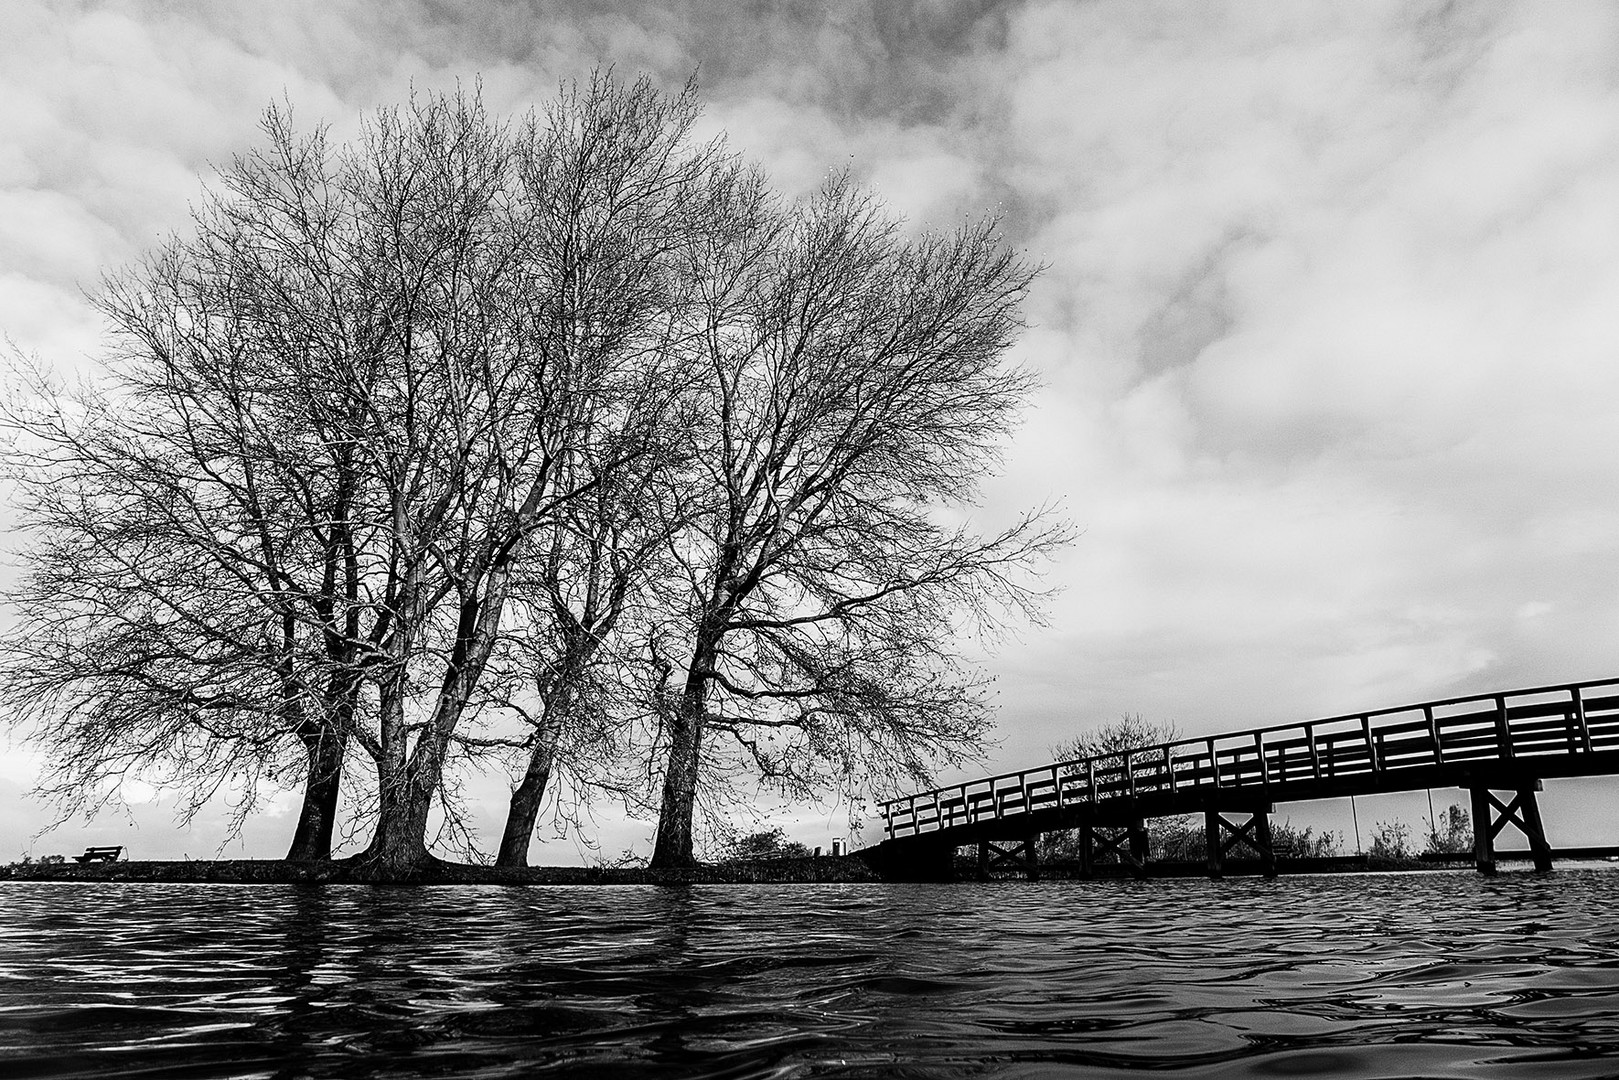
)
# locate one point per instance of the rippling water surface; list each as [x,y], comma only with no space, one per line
[1366,976]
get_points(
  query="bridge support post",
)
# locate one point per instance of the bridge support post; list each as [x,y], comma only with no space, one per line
[1491,815]
[1267,849]
[1534,828]
[1222,835]
[1138,847]
[1023,856]
[1483,835]
[1129,843]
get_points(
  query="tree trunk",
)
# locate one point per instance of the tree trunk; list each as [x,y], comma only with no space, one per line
[673,846]
[326,742]
[312,840]
[398,846]
[557,698]
[526,799]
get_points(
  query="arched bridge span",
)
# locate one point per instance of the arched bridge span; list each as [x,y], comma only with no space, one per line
[1498,746]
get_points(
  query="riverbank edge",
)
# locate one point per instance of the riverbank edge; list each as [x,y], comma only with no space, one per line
[809,870]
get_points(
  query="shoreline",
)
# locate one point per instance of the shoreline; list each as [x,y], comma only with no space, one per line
[808,870]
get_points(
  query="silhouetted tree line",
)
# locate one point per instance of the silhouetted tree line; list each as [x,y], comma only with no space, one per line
[561,444]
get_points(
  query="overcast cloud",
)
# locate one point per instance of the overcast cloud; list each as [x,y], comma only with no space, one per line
[1328,329]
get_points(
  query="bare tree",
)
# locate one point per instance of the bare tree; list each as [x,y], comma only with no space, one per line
[627,214]
[1105,747]
[855,384]
[345,412]
[195,592]
[1132,731]
[538,387]
[596,574]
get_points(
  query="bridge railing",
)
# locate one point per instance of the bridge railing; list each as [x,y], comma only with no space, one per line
[1575,718]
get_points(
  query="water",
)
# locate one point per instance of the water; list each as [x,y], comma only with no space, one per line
[1445,975]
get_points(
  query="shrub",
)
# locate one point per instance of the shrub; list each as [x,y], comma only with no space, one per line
[1452,834]
[765,844]
[1391,842]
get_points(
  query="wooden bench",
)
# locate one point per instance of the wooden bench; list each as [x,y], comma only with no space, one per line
[99,854]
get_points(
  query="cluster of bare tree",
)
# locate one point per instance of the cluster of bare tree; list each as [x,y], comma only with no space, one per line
[563,443]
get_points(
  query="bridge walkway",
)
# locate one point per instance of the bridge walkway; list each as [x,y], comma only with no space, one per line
[1508,742]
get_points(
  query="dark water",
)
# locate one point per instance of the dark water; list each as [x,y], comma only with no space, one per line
[1364,976]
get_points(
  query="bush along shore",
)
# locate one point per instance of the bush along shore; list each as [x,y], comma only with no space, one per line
[806,869]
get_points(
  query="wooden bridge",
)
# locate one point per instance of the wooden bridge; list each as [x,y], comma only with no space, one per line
[1499,747]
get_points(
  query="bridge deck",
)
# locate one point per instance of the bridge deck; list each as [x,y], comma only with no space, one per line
[1493,739]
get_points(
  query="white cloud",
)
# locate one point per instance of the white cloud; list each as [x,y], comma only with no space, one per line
[1346,286]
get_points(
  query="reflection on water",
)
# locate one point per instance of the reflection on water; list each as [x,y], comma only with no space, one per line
[1445,975]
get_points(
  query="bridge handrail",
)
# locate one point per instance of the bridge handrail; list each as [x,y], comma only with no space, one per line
[1165,750]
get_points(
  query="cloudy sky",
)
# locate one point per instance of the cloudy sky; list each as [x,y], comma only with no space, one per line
[1328,328]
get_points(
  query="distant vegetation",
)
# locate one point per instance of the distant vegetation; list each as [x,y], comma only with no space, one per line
[769,843]
[1452,834]
[1391,843]
[1183,839]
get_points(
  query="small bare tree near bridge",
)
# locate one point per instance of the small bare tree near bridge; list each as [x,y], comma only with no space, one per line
[1179,838]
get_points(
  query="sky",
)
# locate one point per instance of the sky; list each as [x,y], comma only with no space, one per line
[1327,329]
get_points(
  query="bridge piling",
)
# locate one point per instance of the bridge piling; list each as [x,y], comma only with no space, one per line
[1138,847]
[1024,856]
[1534,829]
[1491,815]
[928,858]
[1267,850]
[1221,835]
[1483,836]
[1211,840]
[1128,842]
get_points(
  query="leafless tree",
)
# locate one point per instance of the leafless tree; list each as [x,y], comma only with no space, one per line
[375,382]
[596,575]
[856,387]
[536,391]
[1132,731]
[195,591]
[1105,747]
